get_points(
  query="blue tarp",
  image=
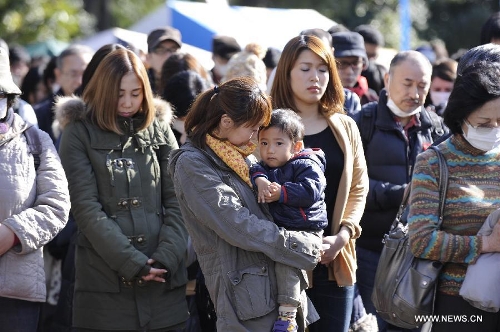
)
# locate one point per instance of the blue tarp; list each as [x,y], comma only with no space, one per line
[199,22]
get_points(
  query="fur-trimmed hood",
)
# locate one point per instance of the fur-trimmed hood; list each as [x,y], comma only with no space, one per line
[69,109]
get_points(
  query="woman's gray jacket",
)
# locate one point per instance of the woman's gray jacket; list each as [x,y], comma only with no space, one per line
[236,242]
[34,204]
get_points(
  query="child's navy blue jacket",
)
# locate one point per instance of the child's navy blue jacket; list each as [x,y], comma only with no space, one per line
[302,202]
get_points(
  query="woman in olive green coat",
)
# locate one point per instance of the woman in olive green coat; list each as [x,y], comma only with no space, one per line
[131,245]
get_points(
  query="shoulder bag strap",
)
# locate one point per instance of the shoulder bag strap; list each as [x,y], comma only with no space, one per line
[443,189]
[443,182]
[402,207]
[34,143]
[367,124]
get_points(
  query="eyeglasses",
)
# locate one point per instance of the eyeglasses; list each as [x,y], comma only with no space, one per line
[354,65]
[481,128]
[164,50]
[73,74]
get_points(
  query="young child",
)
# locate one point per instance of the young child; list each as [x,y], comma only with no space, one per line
[291,179]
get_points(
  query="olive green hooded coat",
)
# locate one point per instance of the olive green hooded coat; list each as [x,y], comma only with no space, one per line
[126,211]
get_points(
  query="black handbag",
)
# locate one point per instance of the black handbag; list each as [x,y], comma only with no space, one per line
[405,285]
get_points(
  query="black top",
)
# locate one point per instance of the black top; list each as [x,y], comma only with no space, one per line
[334,167]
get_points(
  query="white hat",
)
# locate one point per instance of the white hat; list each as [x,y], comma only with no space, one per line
[7,85]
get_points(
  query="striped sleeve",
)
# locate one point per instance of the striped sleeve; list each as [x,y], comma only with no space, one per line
[426,240]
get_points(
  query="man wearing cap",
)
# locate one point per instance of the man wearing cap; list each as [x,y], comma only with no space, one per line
[34,207]
[374,72]
[162,43]
[223,48]
[350,53]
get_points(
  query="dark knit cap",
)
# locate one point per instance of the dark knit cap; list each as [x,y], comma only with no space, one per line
[272,57]
[181,90]
[370,34]
[225,46]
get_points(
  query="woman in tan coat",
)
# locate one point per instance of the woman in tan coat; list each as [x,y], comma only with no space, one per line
[307,81]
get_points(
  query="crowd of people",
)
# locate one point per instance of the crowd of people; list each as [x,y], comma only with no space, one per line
[154,194]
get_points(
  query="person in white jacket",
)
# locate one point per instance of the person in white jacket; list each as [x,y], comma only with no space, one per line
[34,207]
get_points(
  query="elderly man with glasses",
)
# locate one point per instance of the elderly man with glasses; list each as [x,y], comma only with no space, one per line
[70,65]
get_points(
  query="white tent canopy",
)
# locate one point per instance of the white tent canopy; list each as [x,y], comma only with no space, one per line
[199,22]
[117,35]
[139,40]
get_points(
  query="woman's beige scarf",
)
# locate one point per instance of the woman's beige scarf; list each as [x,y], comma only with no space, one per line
[233,156]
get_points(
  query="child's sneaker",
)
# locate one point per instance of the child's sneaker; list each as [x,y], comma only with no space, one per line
[285,325]
[367,323]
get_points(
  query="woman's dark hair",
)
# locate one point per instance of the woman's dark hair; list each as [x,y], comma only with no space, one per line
[178,62]
[18,53]
[478,82]
[288,122]
[445,69]
[49,76]
[240,99]
[94,62]
[30,82]
[182,89]
[490,29]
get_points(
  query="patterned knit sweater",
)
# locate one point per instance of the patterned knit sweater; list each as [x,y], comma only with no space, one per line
[473,193]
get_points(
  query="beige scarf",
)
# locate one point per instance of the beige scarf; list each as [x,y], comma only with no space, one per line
[233,156]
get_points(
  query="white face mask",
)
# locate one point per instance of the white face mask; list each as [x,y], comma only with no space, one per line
[55,87]
[485,139]
[398,112]
[439,98]
[3,108]
[221,69]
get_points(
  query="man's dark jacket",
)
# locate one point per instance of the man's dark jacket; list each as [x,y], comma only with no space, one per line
[390,157]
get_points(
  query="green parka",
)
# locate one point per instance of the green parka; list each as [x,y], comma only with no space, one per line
[126,211]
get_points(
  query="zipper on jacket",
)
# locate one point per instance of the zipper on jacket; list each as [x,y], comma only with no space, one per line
[155,154]
[131,127]
[227,179]
[109,165]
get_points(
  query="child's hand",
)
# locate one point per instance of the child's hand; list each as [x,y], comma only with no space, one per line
[275,192]
[262,189]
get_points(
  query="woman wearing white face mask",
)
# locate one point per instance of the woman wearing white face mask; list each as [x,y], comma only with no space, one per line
[34,207]
[473,159]
[444,74]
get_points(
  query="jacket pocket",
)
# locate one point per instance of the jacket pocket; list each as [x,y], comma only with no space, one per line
[92,272]
[251,291]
